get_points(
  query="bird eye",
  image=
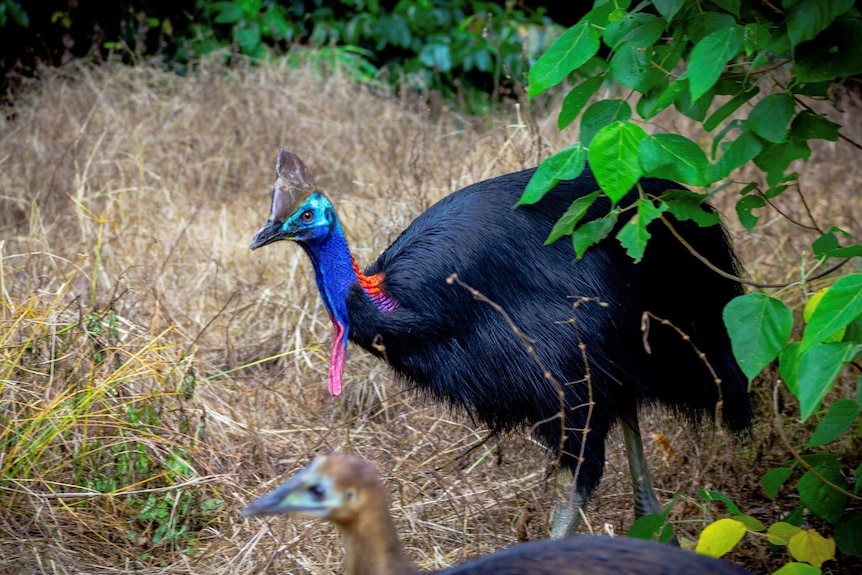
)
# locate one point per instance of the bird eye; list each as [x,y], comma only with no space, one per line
[307,216]
[317,491]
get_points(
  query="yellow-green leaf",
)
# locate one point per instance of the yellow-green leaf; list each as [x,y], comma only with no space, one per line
[780,533]
[809,546]
[720,537]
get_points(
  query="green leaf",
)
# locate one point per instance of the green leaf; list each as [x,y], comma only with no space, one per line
[827,245]
[773,479]
[774,159]
[759,327]
[848,533]
[634,235]
[751,523]
[728,108]
[613,157]
[731,6]
[592,232]
[840,305]
[640,29]
[809,546]
[770,117]
[668,8]
[694,109]
[719,537]
[651,527]
[248,39]
[780,533]
[702,24]
[606,11]
[657,100]
[709,57]
[713,495]
[741,151]
[564,165]
[688,205]
[757,37]
[805,19]
[674,157]
[809,126]
[574,214]
[745,207]
[570,51]
[836,53]
[817,369]
[601,114]
[794,568]
[630,66]
[838,419]
[228,12]
[577,98]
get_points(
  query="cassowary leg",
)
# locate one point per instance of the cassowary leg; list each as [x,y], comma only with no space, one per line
[645,498]
[567,513]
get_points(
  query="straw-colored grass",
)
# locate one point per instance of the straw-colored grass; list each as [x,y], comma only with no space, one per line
[156,374]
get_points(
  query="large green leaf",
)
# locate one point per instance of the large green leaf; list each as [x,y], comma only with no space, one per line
[573,215]
[674,157]
[821,499]
[771,116]
[564,165]
[838,419]
[816,372]
[600,114]
[774,159]
[613,156]
[577,98]
[840,305]
[709,57]
[806,18]
[570,51]
[635,235]
[759,327]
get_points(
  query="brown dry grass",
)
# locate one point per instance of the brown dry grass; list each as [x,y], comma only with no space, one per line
[129,197]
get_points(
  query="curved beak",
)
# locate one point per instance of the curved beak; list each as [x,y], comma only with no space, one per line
[269,233]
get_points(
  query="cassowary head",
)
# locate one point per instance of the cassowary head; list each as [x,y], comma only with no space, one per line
[337,487]
[298,212]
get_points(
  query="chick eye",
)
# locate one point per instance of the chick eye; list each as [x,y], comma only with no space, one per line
[307,216]
[317,492]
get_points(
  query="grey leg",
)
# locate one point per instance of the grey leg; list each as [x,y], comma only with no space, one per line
[645,498]
[567,513]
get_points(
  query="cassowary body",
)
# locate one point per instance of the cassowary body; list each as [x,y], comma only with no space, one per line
[465,352]
[347,491]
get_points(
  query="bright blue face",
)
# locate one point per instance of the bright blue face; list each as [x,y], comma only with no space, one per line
[313,220]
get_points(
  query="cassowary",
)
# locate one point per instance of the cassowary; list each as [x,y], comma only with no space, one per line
[347,491]
[588,363]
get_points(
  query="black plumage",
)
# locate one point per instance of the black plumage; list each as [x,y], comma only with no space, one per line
[347,491]
[437,335]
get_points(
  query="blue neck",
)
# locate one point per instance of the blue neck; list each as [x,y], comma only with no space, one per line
[333,272]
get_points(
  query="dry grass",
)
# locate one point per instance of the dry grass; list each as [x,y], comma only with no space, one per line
[156,374]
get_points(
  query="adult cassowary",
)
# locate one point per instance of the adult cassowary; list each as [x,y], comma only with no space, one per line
[591,357]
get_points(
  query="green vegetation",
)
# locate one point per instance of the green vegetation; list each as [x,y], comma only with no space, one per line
[755,78]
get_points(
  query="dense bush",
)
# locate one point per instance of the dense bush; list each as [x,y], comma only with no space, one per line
[452,46]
